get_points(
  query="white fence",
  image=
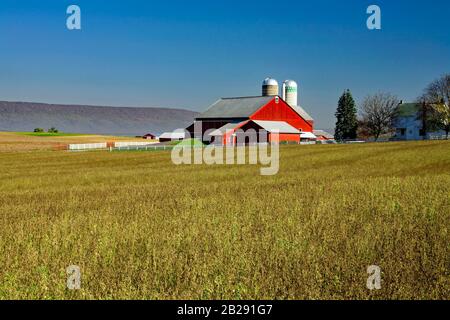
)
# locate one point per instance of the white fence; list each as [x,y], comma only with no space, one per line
[132,143]
[148,147]
[438,137]
[96,146]
[87,146]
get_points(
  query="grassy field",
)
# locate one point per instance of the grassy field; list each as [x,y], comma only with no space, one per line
[30,141]
[140,227]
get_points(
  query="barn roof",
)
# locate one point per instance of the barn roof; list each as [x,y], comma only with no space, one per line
[276,126]
[269,126]
[173,135]
[302,113]
[242,107]
[323,133]
[308,135]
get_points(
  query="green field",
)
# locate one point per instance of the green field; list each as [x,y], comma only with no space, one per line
[140,227]
[188,142]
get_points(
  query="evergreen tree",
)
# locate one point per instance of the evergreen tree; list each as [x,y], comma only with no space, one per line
[346,115]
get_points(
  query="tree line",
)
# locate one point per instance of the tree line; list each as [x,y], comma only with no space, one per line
[377,113]
[41,130]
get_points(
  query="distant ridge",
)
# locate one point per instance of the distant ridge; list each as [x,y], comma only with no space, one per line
[25,116]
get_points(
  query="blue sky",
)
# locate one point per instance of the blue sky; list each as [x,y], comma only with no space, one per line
[186,54]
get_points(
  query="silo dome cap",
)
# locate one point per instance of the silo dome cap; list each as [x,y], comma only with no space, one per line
[270,82]
[290,83]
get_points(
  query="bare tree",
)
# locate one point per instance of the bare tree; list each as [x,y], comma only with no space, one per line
[436,102]
[439,91]
[378,112]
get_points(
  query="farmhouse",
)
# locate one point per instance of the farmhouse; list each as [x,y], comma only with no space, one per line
[269,114]
[409,123]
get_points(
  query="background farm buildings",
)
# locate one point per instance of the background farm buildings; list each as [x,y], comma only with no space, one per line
[227,118]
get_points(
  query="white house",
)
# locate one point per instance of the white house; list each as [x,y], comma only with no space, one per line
[409,123]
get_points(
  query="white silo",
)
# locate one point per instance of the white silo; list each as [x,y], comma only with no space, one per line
[290,92]
[270,87]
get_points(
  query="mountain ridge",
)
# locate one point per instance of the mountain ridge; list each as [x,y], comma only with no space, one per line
[25,116]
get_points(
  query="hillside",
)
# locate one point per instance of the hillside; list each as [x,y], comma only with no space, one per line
[25,116]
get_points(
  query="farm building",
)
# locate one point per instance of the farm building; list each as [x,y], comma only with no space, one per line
[323,135]
[409,124]
[171,136]
[226,135]
[148,136]
[228,118]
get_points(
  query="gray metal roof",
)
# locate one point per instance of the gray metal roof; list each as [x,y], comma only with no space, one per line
[235,107]
[307,135]
[323,133]
[243,107]
[276,126]
[302,113]
[173,135]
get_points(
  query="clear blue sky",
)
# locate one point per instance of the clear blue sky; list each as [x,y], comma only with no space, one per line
[187,54]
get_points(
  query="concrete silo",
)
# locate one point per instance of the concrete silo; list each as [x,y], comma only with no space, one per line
[270,87]
[290,92]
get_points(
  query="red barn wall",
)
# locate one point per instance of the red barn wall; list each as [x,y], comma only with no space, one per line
[286,137]
[281,111]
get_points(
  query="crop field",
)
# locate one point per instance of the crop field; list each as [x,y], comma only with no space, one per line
[140,227]
[30,141]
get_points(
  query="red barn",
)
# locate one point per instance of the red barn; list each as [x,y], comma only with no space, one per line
[267,113]
[149,136]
